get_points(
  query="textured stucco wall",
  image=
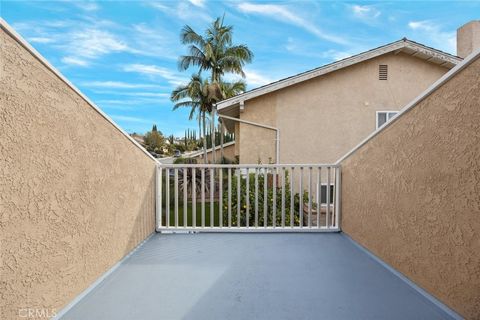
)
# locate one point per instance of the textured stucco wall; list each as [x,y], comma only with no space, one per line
[411,194]
[258,144]
[321,119]
[75,194]
[228,152]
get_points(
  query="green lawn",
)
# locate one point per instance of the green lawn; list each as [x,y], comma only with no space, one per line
[190,214]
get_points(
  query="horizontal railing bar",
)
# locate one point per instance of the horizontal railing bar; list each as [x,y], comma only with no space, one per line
[245,166]
[245,229]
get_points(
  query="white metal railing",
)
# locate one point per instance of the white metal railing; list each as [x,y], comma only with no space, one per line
[248,198]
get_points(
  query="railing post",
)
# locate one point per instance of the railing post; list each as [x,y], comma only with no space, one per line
[292,197]
[300,193]
[167,195]
[239,199]
[229,208]
[212,191]
[247,199]
[185,197]
[282,169]
[158,191]
[194,197]
[274,197]
[309,222]
[220,196]
[328,223]
[256,198]
[175,194]
[338,194]
[319,196]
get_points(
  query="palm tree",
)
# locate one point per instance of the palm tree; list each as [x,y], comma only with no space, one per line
[214,52]
[200,96]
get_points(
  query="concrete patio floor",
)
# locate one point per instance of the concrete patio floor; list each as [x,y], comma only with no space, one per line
[253,276]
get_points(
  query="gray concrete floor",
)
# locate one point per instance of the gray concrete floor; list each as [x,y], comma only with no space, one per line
[252,276]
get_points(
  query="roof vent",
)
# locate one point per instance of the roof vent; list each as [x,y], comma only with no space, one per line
[383,72]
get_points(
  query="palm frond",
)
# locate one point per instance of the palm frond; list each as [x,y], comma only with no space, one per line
[185,62]
[231,89]
[189,36]
[241,52]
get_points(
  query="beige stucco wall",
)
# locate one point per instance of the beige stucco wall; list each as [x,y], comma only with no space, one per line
[411,194]
[256,144]
[321,119]
[75,194]
[228,152]
[237,142]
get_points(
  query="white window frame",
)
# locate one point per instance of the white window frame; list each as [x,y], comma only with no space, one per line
[388,118]
[319,193]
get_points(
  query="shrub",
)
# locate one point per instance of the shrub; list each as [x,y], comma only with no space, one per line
[261,200]
[181,160]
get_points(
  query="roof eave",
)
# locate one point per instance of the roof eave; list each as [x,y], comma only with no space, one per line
[417,48]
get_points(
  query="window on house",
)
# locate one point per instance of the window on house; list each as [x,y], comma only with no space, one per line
[384,116]
[323,193]
[383,72]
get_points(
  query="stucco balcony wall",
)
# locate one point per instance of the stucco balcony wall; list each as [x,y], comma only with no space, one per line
[76,195]
[411,194]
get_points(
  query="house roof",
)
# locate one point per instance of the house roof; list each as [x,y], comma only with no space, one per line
[404,45]
[430,90]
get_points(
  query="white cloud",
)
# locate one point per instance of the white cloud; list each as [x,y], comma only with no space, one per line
[336,55]
[117,85]
[130,119]
[83,40]
[135,93]
[148,94]
[366,13]
[87,5]
[154,41]
[198,3]
[425,25]
[284,13]
[159,6]
[75,61]
[90,39]
[126,102]
[301,48]
[255,78]
[434,33]
[133,100]
[153,70]
[186,11]
[92,43]
[41,40]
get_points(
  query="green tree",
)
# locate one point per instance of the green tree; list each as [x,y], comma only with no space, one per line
[154,140]
[214,52]
[198,95]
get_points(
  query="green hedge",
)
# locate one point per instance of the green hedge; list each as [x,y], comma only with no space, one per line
[261,201]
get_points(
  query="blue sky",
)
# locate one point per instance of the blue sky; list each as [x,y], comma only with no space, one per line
[123,54]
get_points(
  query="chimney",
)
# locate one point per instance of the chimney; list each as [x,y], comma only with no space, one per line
[468,38]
